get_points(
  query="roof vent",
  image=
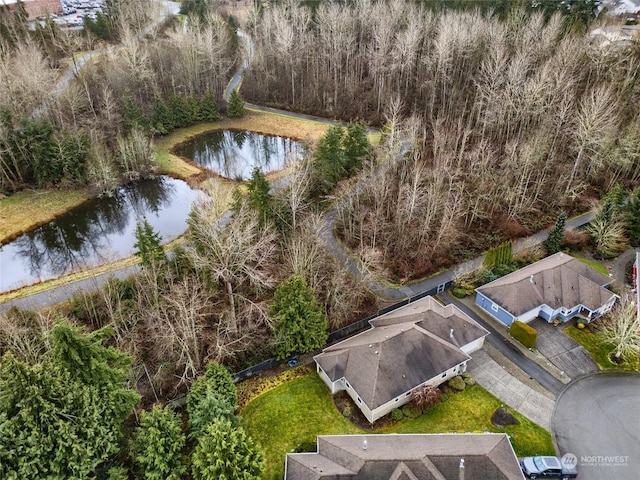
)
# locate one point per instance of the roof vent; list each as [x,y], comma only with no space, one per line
[451,333]
[531,279]
[376,352]
[370,345]
[364,445]
[461,474]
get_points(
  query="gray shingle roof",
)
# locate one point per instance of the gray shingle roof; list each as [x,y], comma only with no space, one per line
[557,281]
[486,456]
[405,348]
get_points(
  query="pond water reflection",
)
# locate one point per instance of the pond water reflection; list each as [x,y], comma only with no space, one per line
[98,231]
[234,154]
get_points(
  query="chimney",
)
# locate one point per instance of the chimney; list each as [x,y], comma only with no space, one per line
[461,475]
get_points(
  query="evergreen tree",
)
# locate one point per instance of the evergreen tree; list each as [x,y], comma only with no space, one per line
[213,396]
[226,452]
[62,416]
[553,243]
[339,154]
[356,147]
[209,408]
[100,27]
[180,114]
[148,245]
[613,204]
[36,146]
[633,218]
[193,109]
[133,117]
[328,162]
[196,8]
[235,108]
[216,380]
[258,196]
[157,445]
[72,155]
[300,324]
[161,118]
[209,108]
[117,473]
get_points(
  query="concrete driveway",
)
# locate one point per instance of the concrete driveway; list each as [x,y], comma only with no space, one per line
[563,351]
[499,381]
[597,419]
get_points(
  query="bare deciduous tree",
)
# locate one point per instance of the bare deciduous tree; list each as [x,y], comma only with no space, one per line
[234,254]
[624,330]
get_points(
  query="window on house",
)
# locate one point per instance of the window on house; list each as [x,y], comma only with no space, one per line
[347,384]
[407,394]
[444,374]
[397,399]
[359,401]
[494,307]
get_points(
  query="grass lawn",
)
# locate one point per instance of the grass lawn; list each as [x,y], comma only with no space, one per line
[294,413]
[593,264]
[28,209]
[599,349]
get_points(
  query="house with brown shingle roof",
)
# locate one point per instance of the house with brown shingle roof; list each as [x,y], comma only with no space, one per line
[488,456]
[422,343]
[558,287]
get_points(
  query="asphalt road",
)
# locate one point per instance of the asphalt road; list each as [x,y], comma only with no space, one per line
[597,419]
[505,347]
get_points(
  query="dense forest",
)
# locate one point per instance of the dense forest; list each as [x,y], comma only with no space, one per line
[142,85]
[507,122]
[492,122]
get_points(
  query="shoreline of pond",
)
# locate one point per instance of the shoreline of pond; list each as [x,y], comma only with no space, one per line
[168,164]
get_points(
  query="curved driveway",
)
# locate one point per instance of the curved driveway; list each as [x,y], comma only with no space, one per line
[597,418]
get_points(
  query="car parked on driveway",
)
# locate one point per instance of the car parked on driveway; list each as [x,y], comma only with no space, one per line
[547,467]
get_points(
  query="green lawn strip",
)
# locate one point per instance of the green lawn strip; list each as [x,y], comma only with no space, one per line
[599,349]
[289,415]
[471,411]
[297,411]
[593,264]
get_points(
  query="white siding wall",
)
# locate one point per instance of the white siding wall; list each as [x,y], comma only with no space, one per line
[403,399]
[473,346]
[609,305]
[531,314]
[333,386]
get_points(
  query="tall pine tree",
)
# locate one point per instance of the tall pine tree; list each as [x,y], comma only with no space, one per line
[148,245]
[553,242]
[235,108]
[300,323]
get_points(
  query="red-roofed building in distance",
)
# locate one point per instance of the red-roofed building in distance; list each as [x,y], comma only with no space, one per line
[34,8]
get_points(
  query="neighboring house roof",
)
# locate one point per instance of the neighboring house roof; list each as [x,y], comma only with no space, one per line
[407,457]
[406,348]
[557,281]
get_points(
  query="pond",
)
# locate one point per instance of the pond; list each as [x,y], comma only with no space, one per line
[98,231]
[234,154]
